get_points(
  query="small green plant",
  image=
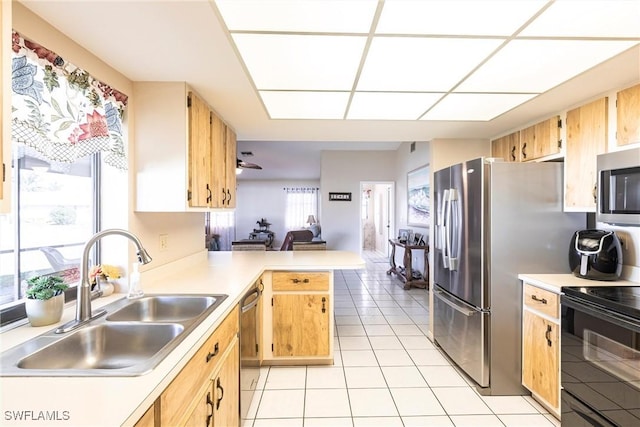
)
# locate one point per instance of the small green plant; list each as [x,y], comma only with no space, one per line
[45,287]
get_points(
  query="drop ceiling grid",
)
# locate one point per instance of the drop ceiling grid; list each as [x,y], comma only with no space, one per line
[428,60]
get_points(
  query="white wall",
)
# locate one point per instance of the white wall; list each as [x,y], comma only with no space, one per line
[342,172]
[186,231]
[265,199]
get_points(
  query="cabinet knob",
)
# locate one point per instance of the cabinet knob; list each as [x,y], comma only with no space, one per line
[300,281]
[210,405]
[324,300]
[524,150]
[513,153]
[209,195]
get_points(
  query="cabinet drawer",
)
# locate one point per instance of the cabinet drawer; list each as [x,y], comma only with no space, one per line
[301,280]
[180,394]
[542,300]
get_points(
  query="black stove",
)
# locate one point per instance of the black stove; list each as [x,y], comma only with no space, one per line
[621,299]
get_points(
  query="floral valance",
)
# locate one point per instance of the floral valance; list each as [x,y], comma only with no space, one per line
[59,112]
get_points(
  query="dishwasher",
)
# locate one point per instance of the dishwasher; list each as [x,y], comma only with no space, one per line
[250,347]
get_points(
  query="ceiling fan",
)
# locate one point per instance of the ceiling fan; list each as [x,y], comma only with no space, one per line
[241,164]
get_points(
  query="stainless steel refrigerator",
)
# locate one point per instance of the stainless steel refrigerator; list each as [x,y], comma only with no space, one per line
[494,220]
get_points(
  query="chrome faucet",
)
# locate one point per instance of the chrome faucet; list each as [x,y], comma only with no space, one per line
[83,303]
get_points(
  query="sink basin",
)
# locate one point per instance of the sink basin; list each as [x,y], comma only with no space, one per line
[134,337]
[163,308]
[105,346]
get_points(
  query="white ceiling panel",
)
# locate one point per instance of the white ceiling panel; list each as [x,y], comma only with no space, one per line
[588,18]
[390,106]
[475,106]
[305,105]
[538,65]
[319,16]
[456,17]
[421,64]
[302,62]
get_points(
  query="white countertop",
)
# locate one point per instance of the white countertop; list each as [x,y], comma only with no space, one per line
[111,401]
[555,282]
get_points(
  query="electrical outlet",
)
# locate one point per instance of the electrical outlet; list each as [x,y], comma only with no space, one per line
[164,242]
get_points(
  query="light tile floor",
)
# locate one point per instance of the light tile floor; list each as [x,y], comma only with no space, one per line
[386,372]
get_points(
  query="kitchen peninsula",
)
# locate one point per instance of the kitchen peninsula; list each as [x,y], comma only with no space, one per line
[124,400]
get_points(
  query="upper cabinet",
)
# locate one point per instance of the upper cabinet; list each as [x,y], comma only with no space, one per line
[586,138]
[541,139]
[507,147]
[628,114]
[181,151]
[532,143]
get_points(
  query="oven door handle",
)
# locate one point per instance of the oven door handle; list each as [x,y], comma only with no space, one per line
[601,313]
[246,307]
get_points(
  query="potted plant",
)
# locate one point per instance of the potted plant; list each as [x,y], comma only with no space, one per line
[45,299]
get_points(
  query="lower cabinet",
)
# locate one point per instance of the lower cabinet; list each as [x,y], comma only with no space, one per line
[541,346]
[207,390]
[218,403]
[299,325]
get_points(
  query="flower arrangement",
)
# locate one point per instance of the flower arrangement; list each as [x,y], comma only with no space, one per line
[104,272]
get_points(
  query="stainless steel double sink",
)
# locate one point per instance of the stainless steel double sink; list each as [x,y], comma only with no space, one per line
[132,339]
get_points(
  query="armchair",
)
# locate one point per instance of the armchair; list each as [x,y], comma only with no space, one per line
[295,236]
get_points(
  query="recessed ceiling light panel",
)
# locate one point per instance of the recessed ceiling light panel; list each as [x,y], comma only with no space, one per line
[421,64]
[390,106]
[475,106]
[464,17]
[305,105]
[301,61]
[610,18]
[325,16]
[539,65]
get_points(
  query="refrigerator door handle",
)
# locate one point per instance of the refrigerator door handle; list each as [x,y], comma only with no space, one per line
[451,303]
[444,215]
[451,228]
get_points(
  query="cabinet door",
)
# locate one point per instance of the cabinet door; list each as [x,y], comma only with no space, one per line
[5,98]
[202,414]
[230,166]
[628,113]
[527,141]
[507,147]
[586,138]
[218,135]
[540,357]
[199,152]
[546,139]
[301,324]
[226,391]
[148,419]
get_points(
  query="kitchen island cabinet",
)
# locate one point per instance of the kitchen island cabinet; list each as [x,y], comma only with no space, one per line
[129,398]
[301,317]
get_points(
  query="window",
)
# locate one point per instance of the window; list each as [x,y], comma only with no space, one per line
[64,124]
[301,202]
[219,230]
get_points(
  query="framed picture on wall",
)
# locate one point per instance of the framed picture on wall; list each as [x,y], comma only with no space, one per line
[418,200]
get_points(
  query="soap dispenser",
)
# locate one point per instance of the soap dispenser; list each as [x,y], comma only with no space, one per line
[135,291]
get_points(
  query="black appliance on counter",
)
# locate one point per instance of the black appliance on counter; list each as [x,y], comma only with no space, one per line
[596,255]
[600,356]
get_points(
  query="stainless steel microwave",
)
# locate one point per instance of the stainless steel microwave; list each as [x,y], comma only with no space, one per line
[618,200]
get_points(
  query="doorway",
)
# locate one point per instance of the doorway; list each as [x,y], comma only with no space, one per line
[376,217]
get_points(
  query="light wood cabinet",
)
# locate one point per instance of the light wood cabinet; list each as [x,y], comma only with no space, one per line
[148,419]
[299,325]
[586,138]
[217,404]
[507,147]
[540,140]
[182,400]
[181,151]
[200,187]
[628,116]
[541,346]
